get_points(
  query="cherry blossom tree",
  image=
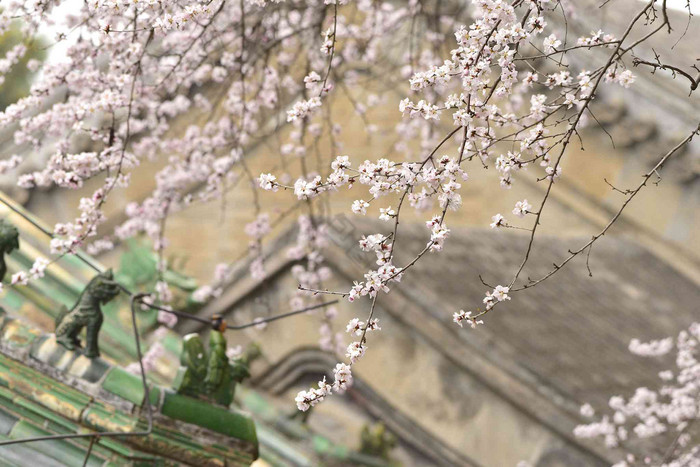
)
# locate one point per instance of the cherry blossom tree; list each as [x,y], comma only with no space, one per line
[484,83]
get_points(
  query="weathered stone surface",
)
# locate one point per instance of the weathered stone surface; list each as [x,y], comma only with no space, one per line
[518,381]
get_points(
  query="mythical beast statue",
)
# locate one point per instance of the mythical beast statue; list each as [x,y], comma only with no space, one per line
[86,313]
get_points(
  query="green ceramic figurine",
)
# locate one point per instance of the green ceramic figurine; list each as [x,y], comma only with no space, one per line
[377,441]
[209,375]
[86,313]
[9,241]
[218,382]
[193,366]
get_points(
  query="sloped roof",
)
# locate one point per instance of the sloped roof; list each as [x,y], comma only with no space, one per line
[570,332]
[419,444]
[46,390]
[551,348]
[650,117]
[288,441]
[548,350]
[40,301]
[615,17]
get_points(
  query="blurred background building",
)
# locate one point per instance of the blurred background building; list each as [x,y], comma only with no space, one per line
[510,390]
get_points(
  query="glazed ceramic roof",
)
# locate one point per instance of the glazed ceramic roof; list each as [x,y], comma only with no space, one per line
[46,389]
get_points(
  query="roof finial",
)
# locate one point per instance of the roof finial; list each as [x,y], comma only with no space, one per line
[87,312]
[209,375]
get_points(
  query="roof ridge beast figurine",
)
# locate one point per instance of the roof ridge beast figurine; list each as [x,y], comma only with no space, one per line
[86,313]
[209,375]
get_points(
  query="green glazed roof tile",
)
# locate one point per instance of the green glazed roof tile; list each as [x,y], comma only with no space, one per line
[16,336]
[184,452]
[228,422]
[28,415]
[88,369]
[7,421]
[38,299]
[172,343]
[124,385]
[46,350]
[279,451]
[41,414]
[32,383]
[48,390]
[63,283]
[22,455]
[99,418]
[120,449]
[49,400]
[63,451]
[41,389]
[129,386]
[11,299]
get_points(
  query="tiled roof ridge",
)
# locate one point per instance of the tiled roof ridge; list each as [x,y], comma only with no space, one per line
[103,397]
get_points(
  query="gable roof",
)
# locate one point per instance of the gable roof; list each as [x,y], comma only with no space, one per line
[551,348]
[572,331]
[548,350]
[677,48]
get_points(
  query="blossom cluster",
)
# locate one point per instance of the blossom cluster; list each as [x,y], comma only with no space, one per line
[650,413]
[223,273]
[342,375]
[462,316]
[12,58]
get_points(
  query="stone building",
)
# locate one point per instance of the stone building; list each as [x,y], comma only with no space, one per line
[507,391]
[510,390]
